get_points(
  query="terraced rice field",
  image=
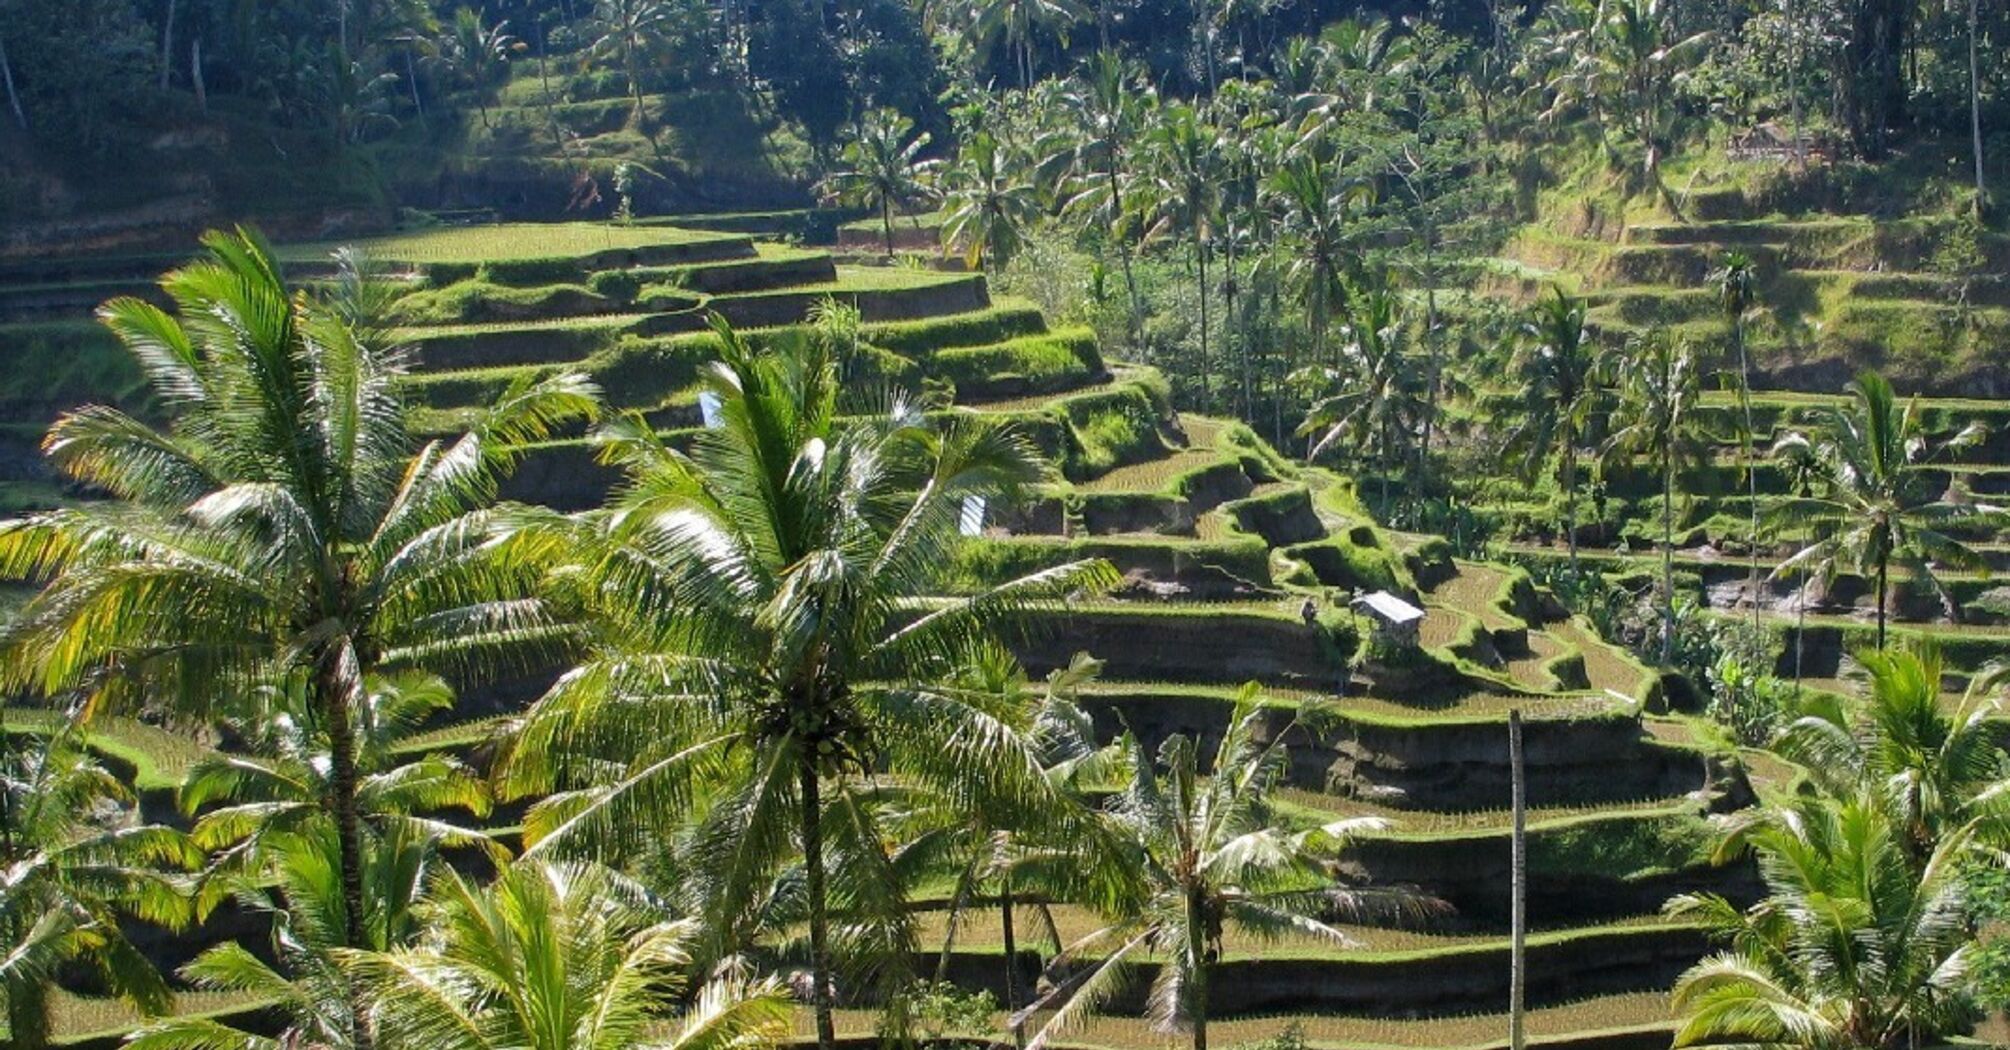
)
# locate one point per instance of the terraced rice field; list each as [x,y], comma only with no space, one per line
[1454,702]
[1334,1032]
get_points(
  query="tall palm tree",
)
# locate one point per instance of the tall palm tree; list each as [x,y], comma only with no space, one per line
[884,169]
[1210,856]
[274,788]
[1876,507]
[1655,416]
[479,54]
[1183,195]
[1936,769]
[628,30]
[1626,62]
[558,957]
[1796,454]
[280,529]
[763,630]
[1556,371]
[989,207]
[1852,946]
[1014,24]
[1373,400]
[1055,852]
[1316,207]
[1092,163]
[1737,291]
[67,875]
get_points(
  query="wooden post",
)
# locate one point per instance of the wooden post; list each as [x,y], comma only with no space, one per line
[1518,907]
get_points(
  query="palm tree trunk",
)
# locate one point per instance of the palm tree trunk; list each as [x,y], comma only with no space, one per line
[813,880]
[167,45]
[1800,638]
[886,222]
[1570,499]
[1667,559]
[1196,935]
[1437,362]
[1883,566]
[1200,257]
[1518,886]
[1794,86]
[1751,473]
[1975,105]
[332,698]
[13,96]
[1011,957]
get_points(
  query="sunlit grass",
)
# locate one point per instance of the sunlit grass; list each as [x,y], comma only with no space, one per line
[508,241]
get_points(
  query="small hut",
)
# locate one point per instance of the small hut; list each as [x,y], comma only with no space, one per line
[1396,621]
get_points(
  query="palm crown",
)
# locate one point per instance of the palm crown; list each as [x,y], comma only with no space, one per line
[280,528]
[763,630]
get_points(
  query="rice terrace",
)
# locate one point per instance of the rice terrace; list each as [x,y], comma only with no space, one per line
[1336,524]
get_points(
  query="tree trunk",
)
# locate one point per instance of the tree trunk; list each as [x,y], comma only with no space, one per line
[1751,470]
[13,96]
[1197,949]
[1667,559]
[332,703]
[1570,498]
[412,79]
[1435,349]
[195,75]
[1794,86]
[1011,957]
[167,45]
[1800,638]
[1975,105]
[1883,566]
[813,880]
[1200,257]
[886,222]
[1518,886]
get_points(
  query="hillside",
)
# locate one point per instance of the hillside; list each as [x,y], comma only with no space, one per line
[1855,270]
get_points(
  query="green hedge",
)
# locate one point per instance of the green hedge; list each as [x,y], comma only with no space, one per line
[1042,363]
[919,339]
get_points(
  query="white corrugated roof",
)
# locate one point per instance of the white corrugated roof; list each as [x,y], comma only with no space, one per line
[1390,608]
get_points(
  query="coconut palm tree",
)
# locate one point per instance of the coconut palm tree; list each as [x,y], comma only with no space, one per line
[1660,387]
[1853,945]
[1182,194]
[628,30]
[1056,852]
[762,631]
[883,168]
[1014,23]
[1876,507]
[1737,291]
[1091,160]
[557,957]
[479,54]
[1625,63]
[1210,856]
[1371,403]
[273,787]
[1937,769]
[1316,205]
[1556,370]
[280,529]
[67,875]
[1796,454]
[989,208]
